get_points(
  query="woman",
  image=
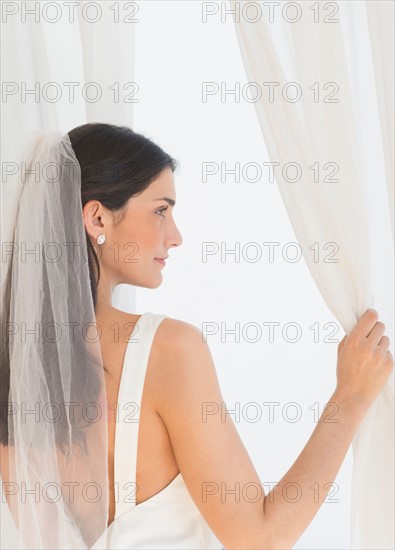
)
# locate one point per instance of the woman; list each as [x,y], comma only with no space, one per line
[187,468]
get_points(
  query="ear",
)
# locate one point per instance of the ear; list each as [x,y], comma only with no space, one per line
[94,218]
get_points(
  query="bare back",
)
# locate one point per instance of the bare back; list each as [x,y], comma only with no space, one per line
[156,464]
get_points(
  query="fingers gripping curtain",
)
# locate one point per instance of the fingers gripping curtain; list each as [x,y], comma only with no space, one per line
[334,213]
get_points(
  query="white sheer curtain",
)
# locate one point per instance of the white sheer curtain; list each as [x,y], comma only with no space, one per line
[108,48]
[108,59]
[43,59]
[345,209]
[381,28]
[69,66]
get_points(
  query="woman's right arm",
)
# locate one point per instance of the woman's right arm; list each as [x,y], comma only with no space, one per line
[212,459]
[362,370]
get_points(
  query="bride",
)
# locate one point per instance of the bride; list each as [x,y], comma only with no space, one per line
[103,442]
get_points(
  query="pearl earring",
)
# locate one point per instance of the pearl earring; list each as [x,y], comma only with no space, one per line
[101,239]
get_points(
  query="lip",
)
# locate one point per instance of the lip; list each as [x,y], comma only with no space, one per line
[161,260]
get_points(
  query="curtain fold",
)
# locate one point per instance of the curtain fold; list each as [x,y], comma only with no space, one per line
[381,17]
[108,58]
[329,205]
[108,48]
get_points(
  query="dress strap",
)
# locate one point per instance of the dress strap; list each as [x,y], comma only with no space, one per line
[129,406]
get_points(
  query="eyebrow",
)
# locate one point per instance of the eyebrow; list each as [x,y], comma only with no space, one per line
[170,201]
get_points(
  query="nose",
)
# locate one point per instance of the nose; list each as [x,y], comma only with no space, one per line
[174,238]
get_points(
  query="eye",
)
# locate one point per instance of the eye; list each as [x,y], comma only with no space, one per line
[162,210]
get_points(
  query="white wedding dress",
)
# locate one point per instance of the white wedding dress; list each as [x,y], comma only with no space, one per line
[170,519]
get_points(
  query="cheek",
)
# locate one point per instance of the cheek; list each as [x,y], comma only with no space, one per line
[143,241]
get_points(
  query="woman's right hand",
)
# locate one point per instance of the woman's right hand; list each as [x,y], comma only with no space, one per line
[364,362]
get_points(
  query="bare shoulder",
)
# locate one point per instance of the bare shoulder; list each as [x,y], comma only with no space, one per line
[182,356]
[176,334]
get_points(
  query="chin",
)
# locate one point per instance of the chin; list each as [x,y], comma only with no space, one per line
[146,277]
[153,282]
[157,283]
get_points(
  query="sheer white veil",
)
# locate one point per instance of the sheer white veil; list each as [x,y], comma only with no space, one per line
[54,416]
